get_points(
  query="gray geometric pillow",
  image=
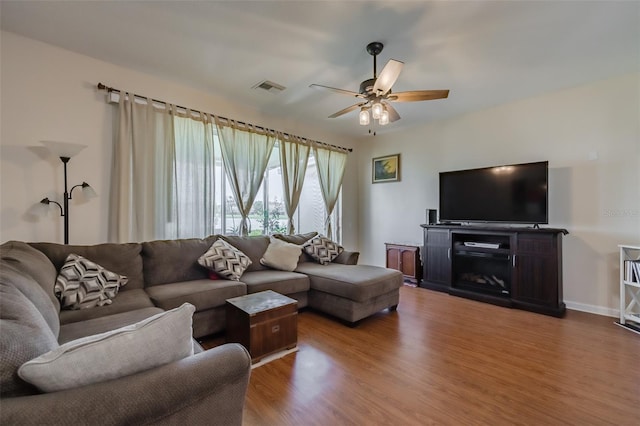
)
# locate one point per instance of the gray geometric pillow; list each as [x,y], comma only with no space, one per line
[83,284]
[226,260]
[322,249]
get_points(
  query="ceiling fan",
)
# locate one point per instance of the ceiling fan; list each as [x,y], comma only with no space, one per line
[375,93]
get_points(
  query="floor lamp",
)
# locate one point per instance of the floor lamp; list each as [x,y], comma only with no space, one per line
[65,151]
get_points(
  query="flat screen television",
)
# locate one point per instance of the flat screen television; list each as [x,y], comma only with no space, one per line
[514,193]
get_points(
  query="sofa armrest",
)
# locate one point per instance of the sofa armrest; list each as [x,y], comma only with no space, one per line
[206,388]
[347,258]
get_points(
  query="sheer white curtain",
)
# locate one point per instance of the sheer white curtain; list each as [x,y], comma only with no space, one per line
[330,165]
[245,152]
[194,199]
[142,180]
[294,157]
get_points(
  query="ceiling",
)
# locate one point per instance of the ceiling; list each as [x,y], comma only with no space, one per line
[486,52]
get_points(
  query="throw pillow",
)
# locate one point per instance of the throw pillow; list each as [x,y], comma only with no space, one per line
[322,249]
[281,255]
[226,260]
[152,342]
[83,284]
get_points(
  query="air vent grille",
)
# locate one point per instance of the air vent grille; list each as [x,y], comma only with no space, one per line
[269,86]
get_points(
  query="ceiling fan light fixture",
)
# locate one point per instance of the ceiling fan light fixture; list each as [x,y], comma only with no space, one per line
[384,118]
[376,110]
[364,117]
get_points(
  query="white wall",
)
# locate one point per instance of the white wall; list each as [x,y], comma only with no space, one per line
[589,134]
[49,94]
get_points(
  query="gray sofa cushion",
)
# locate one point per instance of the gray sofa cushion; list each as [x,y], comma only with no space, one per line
[125,301]
[25,335]
[32,262]
[298,239]
[76,330]
[123,259]
[283,282]
[170,261]
[347,258]
[34,294]
[254,247]
[354,282]
[203,294]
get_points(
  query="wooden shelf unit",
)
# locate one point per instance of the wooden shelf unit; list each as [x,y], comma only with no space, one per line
[507,266]
[406,259]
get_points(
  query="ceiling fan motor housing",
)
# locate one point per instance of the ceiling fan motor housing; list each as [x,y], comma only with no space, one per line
[367,86]
[374,48]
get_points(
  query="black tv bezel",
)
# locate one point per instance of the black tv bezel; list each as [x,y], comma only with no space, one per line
[504,222]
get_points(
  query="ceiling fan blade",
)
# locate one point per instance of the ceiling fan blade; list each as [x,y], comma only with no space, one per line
[393,114]
[346,110]
[341,91]
[387,77]
[418,95]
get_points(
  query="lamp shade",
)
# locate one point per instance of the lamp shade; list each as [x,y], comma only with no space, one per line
[364,117]
[376,110]
[40,209]
[384,118]
[63,149]
[88,191]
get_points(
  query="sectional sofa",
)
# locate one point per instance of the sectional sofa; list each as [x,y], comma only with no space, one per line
[206,387]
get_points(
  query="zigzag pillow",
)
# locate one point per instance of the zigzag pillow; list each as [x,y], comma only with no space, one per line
[83,284]
[322,249]
[226,260]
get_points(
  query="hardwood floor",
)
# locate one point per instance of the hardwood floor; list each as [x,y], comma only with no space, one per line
[446,360]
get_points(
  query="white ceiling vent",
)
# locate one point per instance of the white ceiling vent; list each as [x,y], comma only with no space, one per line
[269,86]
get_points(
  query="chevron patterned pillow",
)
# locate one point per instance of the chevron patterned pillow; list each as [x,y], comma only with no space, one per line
[83,284]
[226,260]
[322,249]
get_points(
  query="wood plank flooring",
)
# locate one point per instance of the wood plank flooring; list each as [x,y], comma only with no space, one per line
[445,360]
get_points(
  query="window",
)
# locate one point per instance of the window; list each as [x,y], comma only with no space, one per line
[204,202]
[311,211]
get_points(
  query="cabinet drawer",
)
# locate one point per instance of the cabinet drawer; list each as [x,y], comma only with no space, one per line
[273,335]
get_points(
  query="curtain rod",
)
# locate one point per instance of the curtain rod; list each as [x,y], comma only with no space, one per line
[111,89]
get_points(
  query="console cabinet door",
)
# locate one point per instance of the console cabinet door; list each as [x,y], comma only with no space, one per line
[406,259]
[394,260]
[410,260]
[538,272]
[437,257]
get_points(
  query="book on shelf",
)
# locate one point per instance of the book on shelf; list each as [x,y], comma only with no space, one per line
[632,271]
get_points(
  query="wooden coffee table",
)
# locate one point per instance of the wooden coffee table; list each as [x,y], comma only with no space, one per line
[264,323]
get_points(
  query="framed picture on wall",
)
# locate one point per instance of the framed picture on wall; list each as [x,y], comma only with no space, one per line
[386,169]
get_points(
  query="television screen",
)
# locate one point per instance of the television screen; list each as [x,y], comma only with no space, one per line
[511,194]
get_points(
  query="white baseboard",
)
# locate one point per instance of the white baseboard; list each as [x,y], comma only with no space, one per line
[593,309]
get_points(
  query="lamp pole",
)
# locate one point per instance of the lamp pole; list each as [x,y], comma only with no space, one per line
[66,197]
